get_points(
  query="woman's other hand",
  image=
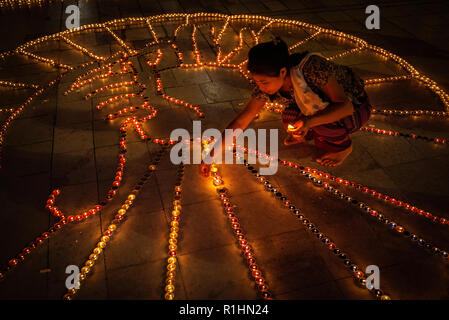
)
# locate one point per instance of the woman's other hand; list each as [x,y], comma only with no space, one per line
[299,128]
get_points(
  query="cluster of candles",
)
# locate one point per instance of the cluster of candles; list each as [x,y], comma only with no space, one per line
[196,52]
[185,104]
[179,27]
[126,68]
[381,218]
[235,50]
[137,127]
[50,206]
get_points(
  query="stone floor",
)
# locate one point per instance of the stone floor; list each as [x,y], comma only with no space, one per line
[61,141]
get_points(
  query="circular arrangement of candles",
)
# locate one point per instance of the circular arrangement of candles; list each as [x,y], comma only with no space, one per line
[121,60]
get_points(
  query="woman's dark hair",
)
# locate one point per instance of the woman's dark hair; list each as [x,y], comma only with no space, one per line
[268,58]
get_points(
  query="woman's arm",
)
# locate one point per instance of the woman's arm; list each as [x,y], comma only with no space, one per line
[243,119]
[339,107]
[240,122]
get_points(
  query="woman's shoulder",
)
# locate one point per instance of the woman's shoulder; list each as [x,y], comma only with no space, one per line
[317,70]
[318,62]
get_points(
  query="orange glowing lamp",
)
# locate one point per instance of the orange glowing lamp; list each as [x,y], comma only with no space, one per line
[217,181]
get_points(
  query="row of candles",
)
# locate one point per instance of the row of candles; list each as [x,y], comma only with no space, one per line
[63,218]
[405,135]
[356,271]
[261,285]
[106,236]
[173,237]
[312,174]
[245,247]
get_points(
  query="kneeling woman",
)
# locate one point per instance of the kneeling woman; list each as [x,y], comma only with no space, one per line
[323,101]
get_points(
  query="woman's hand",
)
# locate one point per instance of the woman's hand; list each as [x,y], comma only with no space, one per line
[300,127]
[205,169]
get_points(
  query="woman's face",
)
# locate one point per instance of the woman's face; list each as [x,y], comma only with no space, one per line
[270,85]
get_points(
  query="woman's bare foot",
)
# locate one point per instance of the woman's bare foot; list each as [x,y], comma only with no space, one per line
[334,159]
[290,139]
